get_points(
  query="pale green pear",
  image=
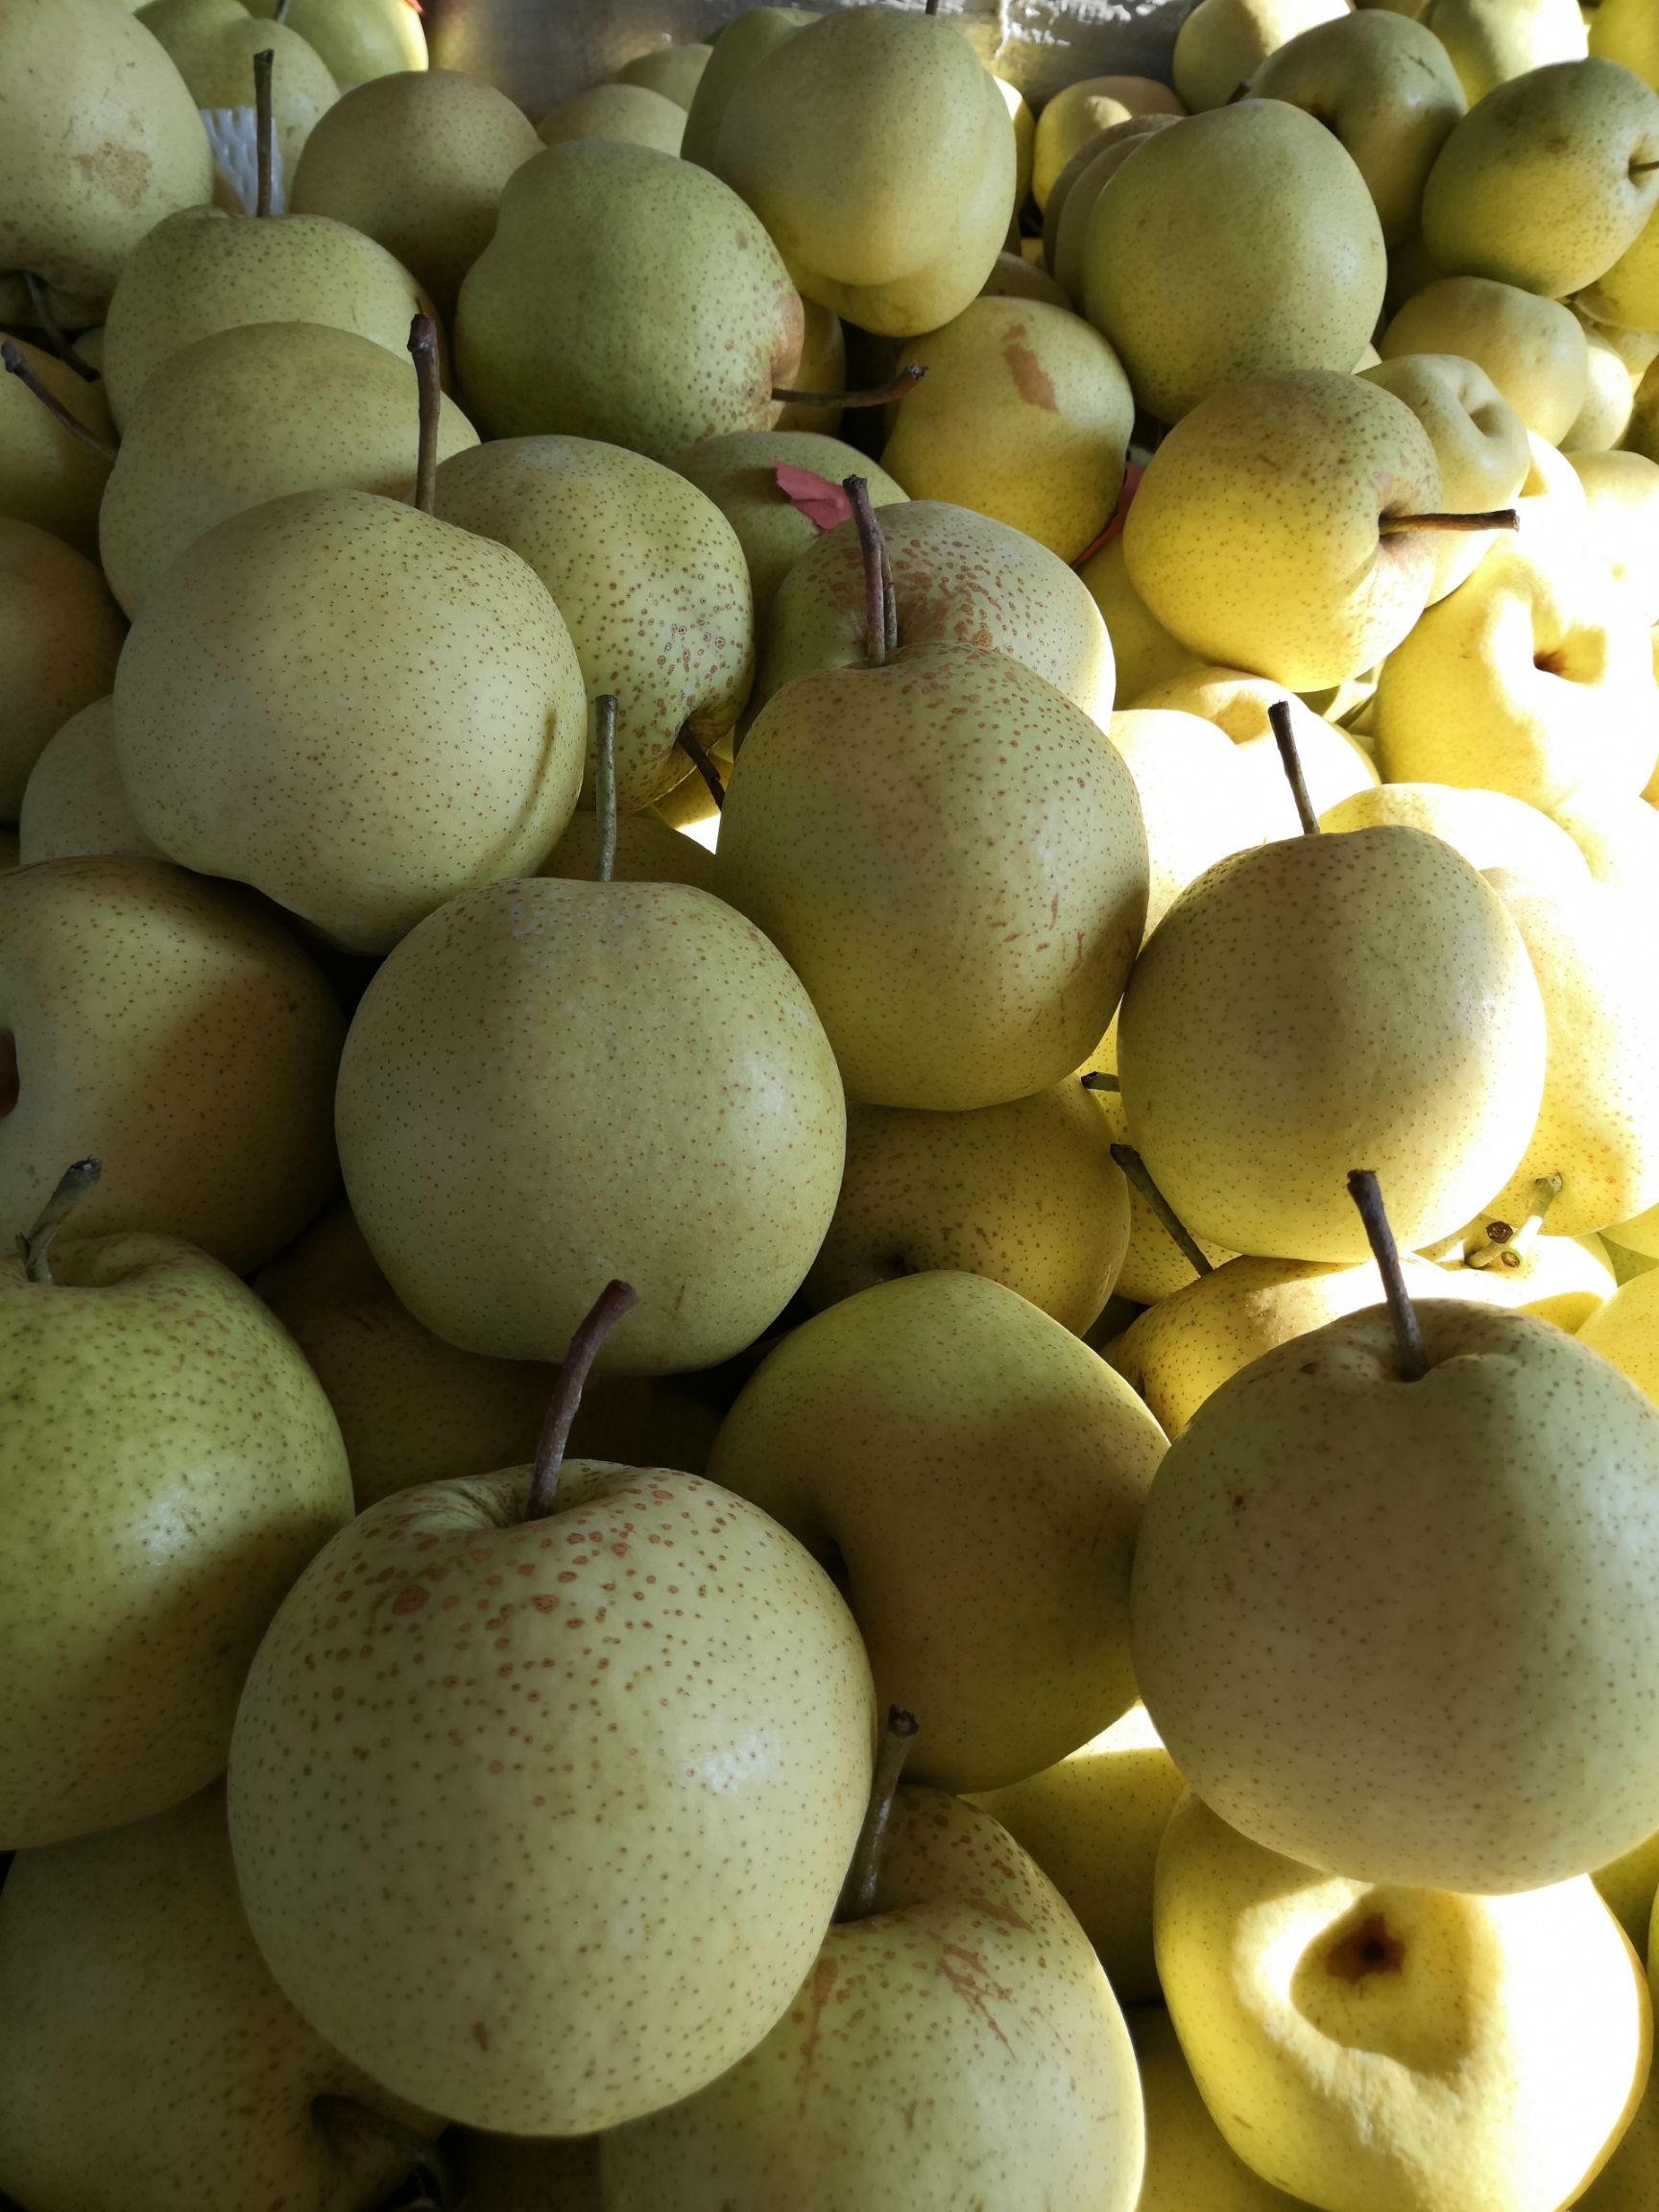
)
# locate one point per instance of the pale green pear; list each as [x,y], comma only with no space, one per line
[417,159]
[822,368]
[1335,766]
[959,1455]
[1188,2158]
[60,637]
[1154,1265]
[1078,187]
[1627,31]
[689,321]
[674,71]
[743,42]
[1144,653]
[1233,245]
[75,801]
[357,39]
[1534,349]
[1628,1886]
[648,850]
[1492,40]
[630,115]
[214,43]
[1490,829]
[1222,43]
[901,238]
[1382,2049]
[1199,797]
[1478,440]
[1079,113]
[49,476]
[252,414]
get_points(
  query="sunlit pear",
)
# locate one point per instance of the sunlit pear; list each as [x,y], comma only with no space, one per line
[1627,31]
[1640,1236]
[75,801]
[1200,797]
[1552,512]
[1628,1886]
[214,43]
[1559,1279]
[1609,391]
[1629,2181]
[1534,349]
[674,71]
[1024,415]
[1143,651]
[1627,295]
[1383,2048]
[1025,137]
[1233,245]
[1490,829]
[1094,1824]
[632,113]
[1188,2159]
[61,638]
[50,477]
[1222,43]
[1478,440]
[1621,494]
[1335,766]
[1078,186]
[1492,40]
[1078,111]
[359,40]
[1386,87]
[743,43]
[1642,434]
[1154,1265]
[1626,1331]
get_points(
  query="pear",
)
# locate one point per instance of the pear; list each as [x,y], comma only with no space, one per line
[743,42]
[1321,1509]
[206,271]
[1276,1023]
[1553,516]
[1260,535]
[737,472]
[1387,89]
[1381,2049]
[273,724]
[1199,799]
[1078,187]
[674,71]
[1621,495]
[958,2044]
[1626,31]
[740,1738]
[1233,245]
[1221,43]
[419,160]
[1642,435]
[633,555]
[1025,140]
[49,478]
[1024,415]
[1629,2181]
[960,579]
[823,367]
[1079,113]
[1155,1265]
[214,43]
[1144,653]
[101,1939]
[1478,440]
[102,141]
[75,801]
[163,1500]
[1618,360]
[1188,2159]
[689,316]
[1560,1279]
[357,39]
[60,637]
[1094,1823]
[1549,181]
[647,852]
[1628,1886]
[1627,295]
[1026,1194]
[627,114]
[899,238]
[252,414]
[1533,678]
[1625,1331]
[1534,349]
[1492,40]
[1490,829]
[1258,804]
[495,1169]
[1619,839]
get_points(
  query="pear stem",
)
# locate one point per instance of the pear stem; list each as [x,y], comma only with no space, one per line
[874,547]
[1095,1080]
[605,784]
[1284,737]
[1367,1195]
[701,761]
[40,307]
[1188,1246]
[1504,1246]
[73,1185]
[1494,518]
[263,131]
[340,2115]
[12,357]
[930,7]
[1642,168]
[857,1899]
[282,6]
[872,396]
[602,1316]
[423,352]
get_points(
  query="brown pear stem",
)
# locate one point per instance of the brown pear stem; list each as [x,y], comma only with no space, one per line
[73,1185]
[423,352]
[1239,91]
[602,1316]
[282,6]
[1095,1080]
[1099,538]
[857,1899]
[40,307]
[1505,1246]
[1187,1245]
[701,761]
[872,396]
[1367,1195]
[930,7]
[1284,737]
[263,128]
[1494,518]
[423,2160]
[605,785]
[874,547]
[1642,168]
[12,357]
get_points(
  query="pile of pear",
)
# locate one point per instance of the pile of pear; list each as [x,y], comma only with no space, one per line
[830,1107]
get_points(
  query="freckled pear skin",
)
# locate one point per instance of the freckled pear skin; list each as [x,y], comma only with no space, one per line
[542,1823]
[960,2047]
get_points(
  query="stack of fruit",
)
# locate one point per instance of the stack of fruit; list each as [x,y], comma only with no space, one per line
[830,1096]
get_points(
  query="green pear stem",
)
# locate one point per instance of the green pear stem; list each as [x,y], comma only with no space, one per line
[1188,1246]
[1284,737]
[40,307]
[73,1185]
[873,548]
[857,1900]
[13,358]
[425,2161]
[1095,1080]
[1366,1194]
[872,396]
[282,6]
[263,127]
[605,785]
[423,352]
[701,761]
[1504,1246]
[602,1316]
[1494,518]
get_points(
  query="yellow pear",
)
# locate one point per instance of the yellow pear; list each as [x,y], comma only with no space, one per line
[899,238]
[1221,43]
[1492,40]
[1094,1824]
[1078,187]
[1233,245]
[1144,653]
[1199,799]
[1559,1279]
[1490,829]
[357,39]
[1013,278]
[648,850]
[674,71]
[1154,1265]
[1642,434]
[823,367]
[743,42]
[1618,838]
[75,801]
[417,159]
[1024,415]
[1188,2159]
[214,43]
[60,637]
[1478,440]
[1626,1332]
[1609,394]
[1627,31]
[1382,2049]
[1025,138]
[1629,2181]
[1627,295]
[49,476]
[1026,1194]
[1534,349]
[1622,495]
[1080,111]
[1628,1885]
[1552,512]
[631,114]
[1335,766]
